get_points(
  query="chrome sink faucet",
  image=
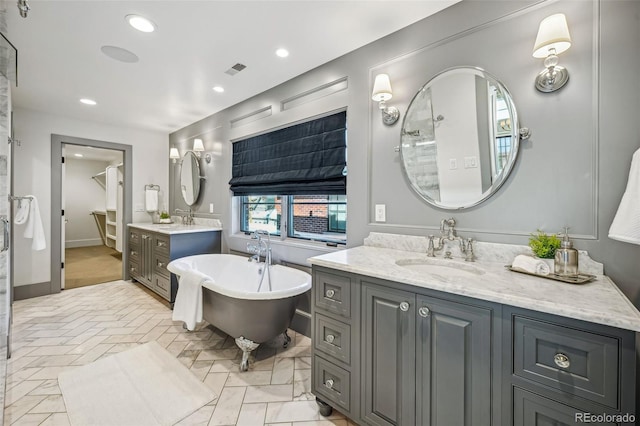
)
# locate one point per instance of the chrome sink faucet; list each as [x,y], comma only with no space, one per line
[450,235]
[188,218]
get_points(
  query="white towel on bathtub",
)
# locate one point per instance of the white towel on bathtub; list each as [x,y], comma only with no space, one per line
[188,304]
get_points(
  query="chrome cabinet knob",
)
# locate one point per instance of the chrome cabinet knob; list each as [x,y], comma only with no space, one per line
[134,253]
[144,237]
[329,383]
[161,243]
[330,338]
[330,293]
[562,360]
[160,265]
[404,306]
[424,312]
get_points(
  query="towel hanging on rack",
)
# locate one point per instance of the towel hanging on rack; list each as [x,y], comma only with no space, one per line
[29,213]
[626,223]
[151,198]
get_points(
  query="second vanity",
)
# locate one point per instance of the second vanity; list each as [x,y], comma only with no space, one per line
[153,246]
[403,339]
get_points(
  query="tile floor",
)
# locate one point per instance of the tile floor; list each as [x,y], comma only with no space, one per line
[75,327]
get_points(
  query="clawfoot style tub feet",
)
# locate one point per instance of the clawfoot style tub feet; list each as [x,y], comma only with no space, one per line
[247,346]
[287,339]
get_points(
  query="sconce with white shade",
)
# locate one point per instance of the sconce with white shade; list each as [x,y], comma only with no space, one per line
[174,154]
[382,93]
[198,148]
[553,39]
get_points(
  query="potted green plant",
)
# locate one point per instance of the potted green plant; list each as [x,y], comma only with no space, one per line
[164,217]
[544,246]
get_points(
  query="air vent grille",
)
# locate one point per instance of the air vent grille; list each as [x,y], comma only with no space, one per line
[235,69]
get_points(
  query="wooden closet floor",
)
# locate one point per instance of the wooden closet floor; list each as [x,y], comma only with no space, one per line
[91,265]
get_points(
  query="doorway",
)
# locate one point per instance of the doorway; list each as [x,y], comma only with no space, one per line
[92,201]
[93,249]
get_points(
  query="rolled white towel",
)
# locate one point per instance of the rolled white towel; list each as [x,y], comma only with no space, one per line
[531,264]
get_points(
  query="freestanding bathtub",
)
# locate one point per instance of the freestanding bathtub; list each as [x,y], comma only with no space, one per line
[233,304]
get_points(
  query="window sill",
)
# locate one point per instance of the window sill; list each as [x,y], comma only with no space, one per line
[289,250]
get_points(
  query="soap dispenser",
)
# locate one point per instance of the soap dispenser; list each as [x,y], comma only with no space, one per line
[566,259]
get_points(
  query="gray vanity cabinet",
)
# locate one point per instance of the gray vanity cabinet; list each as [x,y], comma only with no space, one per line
[426,361]
[422,359]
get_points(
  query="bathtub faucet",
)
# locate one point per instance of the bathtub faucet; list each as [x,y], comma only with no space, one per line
[262,247]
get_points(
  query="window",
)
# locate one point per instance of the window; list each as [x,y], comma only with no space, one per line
[308,217]
[292,182]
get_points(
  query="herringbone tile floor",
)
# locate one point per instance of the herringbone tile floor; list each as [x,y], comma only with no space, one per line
[78,326]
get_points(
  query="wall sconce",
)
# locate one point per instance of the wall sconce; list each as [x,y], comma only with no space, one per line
[381,94]
[198,148]
[174,154]
[553,39]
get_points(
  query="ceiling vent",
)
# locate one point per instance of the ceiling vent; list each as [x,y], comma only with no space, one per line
[235,69]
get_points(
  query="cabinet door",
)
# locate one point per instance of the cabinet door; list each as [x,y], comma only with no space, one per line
[453,363]
[388,387]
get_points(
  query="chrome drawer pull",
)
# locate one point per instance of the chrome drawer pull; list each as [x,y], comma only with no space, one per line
[330,338]
[134,253]
[404,306]
[161,243]
[330,293]
[133,269]
[561,360]
[160,265]
[329,384]
[424,312]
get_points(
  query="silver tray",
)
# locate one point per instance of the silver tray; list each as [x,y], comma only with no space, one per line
[578,279]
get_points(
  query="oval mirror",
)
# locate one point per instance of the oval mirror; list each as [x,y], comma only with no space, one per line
[460,138]
[190,178]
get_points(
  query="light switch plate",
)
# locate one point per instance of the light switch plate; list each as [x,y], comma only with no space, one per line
[210,207]
[381,213]
[470,162]
[453,164]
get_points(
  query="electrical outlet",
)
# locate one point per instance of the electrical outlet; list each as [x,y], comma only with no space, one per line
[381,213]
[210,207]
[453,164]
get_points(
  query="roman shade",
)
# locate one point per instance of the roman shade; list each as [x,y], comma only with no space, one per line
[304,159]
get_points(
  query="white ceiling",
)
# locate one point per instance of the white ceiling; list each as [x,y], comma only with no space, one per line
[195,43]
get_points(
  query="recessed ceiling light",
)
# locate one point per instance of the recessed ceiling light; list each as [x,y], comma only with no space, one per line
[119,54]
[78,155]
[88,101]
[218,89]
[283,53]
[141,23]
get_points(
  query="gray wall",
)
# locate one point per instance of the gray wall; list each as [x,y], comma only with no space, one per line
[572,171]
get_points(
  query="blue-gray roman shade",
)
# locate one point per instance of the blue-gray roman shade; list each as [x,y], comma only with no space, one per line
[304,159]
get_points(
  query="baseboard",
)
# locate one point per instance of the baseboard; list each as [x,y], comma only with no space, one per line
[83,243]
[32,290]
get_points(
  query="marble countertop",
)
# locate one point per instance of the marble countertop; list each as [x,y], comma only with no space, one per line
[598,301]
[174,228]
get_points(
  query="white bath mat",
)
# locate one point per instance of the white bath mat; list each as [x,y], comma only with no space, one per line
[142,386]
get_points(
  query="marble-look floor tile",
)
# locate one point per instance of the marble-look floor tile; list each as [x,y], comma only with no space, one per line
[228,407]
[282,371]
[268,393]
[296,411]
[275,390]
[252,414]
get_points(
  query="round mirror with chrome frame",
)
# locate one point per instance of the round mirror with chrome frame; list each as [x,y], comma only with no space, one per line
[190,178]
[460,138]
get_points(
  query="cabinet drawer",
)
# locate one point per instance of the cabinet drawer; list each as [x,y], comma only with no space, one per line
[134,237]
[134,268]
[161,244]
[134,252]
[332,382]
[530,409]
[581,363]
[333,293]
[162,286]
[333,337]
[160,265]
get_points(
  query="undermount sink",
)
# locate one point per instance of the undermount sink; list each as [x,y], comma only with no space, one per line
[440,267]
